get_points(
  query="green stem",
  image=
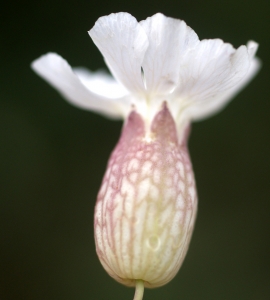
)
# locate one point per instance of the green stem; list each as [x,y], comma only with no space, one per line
[139,290]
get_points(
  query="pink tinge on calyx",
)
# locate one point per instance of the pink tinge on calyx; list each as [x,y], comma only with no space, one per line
[146,207]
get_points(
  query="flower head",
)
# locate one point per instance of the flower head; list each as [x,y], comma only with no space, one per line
[164,78]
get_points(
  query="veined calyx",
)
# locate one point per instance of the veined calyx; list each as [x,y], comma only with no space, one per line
[147,203]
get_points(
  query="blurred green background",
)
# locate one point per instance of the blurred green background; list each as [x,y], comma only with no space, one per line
[53,156]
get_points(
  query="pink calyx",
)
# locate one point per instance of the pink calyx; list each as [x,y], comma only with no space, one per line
[146,207]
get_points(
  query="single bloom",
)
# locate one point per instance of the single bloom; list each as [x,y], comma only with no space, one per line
[164,78]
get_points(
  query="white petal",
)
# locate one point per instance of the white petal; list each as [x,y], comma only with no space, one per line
[169,41]
[101,83]
[123,43]
[252,48]
[208,108]
[59,74]
[208,73]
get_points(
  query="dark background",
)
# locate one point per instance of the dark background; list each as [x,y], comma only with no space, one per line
[53,156]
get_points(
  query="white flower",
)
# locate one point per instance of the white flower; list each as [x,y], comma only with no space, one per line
[154,60]
[164,78]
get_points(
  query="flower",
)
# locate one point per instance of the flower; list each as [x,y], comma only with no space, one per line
[164,78]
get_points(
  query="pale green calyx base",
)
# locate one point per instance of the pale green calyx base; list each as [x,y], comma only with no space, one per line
[139,289]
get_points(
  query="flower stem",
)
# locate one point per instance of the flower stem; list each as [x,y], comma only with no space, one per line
[139,290]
